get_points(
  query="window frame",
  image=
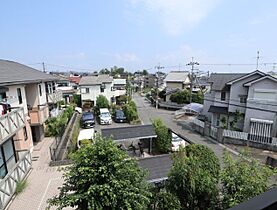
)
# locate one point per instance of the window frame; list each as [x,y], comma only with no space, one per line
[223,96]
[19,95]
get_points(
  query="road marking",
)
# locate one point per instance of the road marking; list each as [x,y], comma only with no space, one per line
[44,194]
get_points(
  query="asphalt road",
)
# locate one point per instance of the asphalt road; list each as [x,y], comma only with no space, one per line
[147,112]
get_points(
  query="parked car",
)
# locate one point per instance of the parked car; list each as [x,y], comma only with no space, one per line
[119,116]
[87,120]
[105,117]
[177,142]
[84,136]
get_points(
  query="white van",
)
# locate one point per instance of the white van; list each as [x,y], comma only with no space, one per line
[105,117]
[85,134]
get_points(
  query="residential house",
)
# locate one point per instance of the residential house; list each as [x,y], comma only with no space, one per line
[119,86]
[93,86]
[65,86]
[176,81]
[24,96]
[246,102]
[150,81]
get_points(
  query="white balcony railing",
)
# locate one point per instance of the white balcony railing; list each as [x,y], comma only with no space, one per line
[9,182]
[10,123]
[55,97]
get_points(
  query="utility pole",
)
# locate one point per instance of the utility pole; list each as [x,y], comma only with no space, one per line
[43,67]
[157,83]
[192,76]
[258,57]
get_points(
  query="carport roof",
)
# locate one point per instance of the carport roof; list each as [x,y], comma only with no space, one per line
[129,133]
[157,171]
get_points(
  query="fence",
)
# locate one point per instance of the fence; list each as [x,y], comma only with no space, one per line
[11,123]
[213,132]
[58,148]
[199,123]
[17,174]
[235,134]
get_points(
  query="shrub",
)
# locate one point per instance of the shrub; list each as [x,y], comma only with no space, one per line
[20,186]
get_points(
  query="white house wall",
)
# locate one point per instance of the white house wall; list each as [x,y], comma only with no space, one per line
[13,97]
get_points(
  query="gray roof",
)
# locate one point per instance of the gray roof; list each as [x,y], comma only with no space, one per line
[15,73]
[129,132]
[219,80]
[157,166]
[96,80]
[176,76]
[218,109]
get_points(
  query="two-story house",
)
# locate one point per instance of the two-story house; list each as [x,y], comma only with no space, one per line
[93,86]
[246,102]
[176,81]
[23,111]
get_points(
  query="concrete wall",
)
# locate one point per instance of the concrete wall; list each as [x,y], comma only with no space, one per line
[32,95]
[20,143]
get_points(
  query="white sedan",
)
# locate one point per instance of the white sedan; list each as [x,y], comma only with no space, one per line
[177,142]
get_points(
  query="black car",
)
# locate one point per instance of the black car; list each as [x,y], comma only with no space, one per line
[87,120]
[119,116]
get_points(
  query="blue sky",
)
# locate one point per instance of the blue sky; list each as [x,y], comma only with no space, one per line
[139,34]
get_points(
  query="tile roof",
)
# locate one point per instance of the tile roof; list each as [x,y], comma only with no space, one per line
[75,79]
[219,80]
[157,166]
[15,73]
[96,80]
[129,132]
[176,76]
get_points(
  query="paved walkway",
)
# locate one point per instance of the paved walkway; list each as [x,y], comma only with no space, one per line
[148,113]
[43,181]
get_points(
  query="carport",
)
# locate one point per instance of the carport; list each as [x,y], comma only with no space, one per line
[131,133]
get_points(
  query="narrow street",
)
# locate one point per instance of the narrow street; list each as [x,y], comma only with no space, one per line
[148,112]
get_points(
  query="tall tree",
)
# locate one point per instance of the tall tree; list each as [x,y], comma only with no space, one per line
[145,72]
[103,177]
[243,178]
[163,141]
[194,179]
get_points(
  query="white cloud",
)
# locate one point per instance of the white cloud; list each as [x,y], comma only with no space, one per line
[126,57]
[177,16]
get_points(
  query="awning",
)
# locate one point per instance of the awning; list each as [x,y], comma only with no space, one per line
[129,133]
[3,89]
[218,109]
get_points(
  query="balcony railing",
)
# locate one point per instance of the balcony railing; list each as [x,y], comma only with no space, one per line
[55,97]
[10,123]
[9,182]
[39,115]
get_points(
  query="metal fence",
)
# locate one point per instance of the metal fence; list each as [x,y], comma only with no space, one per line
[17,174]
[213,132]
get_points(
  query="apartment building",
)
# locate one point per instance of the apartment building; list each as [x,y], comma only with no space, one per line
[247,102]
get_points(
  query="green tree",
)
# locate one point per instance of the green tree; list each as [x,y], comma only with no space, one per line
[103,177]
[145,72]
[194,178]
[101,102]
[130,110]
[165,201]
[104,71]
[163,141]
[243,178]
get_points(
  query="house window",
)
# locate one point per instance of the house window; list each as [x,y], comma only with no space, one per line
[223,96]
[3,169]
[19,95]
[102,88]
[243,99]
[87,90]
[39,87]
[9,154]
[25,134]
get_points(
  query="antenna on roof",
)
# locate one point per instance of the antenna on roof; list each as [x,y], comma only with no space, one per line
[43,67]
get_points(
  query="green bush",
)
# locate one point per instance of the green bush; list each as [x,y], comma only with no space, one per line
[20,186]
[130,111]
[183,97]
[162,143]
[101,102]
